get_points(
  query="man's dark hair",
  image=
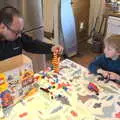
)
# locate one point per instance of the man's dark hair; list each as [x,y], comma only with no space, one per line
[7,14]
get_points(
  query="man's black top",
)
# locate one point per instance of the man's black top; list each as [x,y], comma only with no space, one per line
[12,48]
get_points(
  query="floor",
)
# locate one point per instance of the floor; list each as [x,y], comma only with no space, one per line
[85,54]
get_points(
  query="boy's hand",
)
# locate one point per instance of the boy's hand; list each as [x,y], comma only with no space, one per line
[103,72]
[114,76]
[111,75]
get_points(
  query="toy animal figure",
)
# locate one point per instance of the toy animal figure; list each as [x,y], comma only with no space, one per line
[93,87]
[56,61]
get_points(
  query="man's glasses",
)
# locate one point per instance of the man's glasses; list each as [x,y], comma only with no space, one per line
[15,32]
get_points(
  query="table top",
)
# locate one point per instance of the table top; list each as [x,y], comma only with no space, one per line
[68,97]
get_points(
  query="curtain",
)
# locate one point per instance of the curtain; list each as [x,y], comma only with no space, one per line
[48,10]
[96,10]
[51,18]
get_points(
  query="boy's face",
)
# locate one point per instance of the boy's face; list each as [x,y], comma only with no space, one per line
[110,52]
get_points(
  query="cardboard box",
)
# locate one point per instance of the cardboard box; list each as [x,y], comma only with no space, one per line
[16,79]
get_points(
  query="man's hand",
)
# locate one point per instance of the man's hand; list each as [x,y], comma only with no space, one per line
[57,48]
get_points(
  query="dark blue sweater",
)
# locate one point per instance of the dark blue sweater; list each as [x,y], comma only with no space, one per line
[105,64]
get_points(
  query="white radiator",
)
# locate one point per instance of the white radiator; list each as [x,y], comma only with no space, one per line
[113,26]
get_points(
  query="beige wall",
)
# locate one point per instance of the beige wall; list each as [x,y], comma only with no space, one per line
[81,12]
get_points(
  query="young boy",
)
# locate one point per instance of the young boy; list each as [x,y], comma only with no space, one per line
[108,64]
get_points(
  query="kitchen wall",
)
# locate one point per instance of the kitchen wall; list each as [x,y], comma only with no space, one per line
[85,12]
[81,12]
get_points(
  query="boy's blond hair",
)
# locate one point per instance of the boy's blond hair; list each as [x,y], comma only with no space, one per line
[113,41]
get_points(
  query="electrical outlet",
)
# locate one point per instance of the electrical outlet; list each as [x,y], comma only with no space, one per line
[81,26]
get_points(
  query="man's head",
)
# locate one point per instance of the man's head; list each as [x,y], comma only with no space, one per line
[11,23]
[112,46]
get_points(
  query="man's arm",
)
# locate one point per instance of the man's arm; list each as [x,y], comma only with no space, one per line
[35,46]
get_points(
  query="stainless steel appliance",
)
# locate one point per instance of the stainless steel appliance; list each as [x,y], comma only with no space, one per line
[68,28]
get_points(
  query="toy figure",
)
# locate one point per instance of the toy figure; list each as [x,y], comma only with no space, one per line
[93,87]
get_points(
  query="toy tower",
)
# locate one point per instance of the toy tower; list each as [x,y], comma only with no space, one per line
[56,61]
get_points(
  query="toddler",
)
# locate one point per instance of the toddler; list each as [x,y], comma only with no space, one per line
[108,64]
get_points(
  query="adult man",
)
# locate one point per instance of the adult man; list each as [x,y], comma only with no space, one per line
[13,40]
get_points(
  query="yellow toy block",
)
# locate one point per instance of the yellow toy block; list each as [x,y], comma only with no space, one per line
[3,82]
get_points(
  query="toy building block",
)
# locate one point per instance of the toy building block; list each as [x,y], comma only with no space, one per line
[56,61]
[3,83]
